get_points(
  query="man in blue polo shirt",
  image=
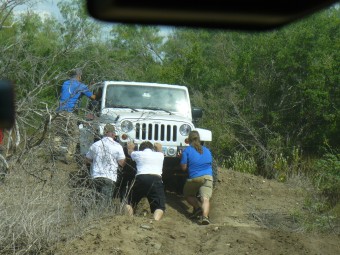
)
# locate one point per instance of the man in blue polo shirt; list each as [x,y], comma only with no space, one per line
[67,131]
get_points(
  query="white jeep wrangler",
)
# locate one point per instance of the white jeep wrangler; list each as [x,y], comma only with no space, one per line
[143,111]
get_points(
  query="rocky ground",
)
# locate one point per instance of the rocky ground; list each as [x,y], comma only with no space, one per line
[249,215]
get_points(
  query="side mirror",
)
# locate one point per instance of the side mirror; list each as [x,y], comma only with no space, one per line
[196,113]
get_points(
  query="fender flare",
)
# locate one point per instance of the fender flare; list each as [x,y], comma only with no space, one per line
[205,134]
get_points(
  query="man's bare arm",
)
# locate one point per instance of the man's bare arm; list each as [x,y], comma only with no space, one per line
[158,147]
[122,162]
[88,161]
[130,147]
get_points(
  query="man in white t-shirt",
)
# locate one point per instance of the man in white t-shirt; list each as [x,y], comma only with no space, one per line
[148,182]
[105,156]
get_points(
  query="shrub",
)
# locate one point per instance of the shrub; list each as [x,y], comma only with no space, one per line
[326,177]
[317,216]
[287,166]
[241,162]
[280,166]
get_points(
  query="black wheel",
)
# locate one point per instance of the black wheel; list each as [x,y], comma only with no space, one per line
[173,177]
[215,173]
[125,178]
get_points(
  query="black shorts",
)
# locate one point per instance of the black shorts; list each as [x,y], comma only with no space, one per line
[151,187]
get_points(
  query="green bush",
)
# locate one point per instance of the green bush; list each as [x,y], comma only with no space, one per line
[317,216]
[280,165]
[241,162]
[326,177]
[287,166]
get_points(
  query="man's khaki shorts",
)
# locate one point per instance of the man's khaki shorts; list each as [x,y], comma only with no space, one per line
[201,186]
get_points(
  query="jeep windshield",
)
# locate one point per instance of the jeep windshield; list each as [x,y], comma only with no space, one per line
[167,99]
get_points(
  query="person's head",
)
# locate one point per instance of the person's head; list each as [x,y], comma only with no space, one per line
[145,145]
[195,141]
[76,74]
[109,130]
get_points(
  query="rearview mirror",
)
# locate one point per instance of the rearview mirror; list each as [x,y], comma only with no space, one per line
[232,14]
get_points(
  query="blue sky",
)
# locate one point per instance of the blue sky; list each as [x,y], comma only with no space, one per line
[44,7]
[49,7]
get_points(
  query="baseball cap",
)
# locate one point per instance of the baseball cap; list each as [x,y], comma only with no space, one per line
[109,128]
[76,72]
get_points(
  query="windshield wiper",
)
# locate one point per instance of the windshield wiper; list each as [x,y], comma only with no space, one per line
[157,109]
[123,106]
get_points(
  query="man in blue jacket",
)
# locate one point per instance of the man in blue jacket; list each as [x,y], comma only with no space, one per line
[71,91]
[66,120]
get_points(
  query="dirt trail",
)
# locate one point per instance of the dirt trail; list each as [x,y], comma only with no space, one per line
[249,214]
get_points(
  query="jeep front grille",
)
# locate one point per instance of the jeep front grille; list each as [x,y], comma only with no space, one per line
[156,132]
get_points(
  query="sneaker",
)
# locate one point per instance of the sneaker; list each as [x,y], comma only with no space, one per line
[205,221]
[196,213]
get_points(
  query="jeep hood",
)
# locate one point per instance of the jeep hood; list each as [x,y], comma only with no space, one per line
[114,116]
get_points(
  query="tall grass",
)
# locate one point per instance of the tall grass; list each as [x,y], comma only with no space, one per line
[42,203]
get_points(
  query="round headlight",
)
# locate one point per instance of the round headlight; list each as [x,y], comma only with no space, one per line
[126,126]
[184,129]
